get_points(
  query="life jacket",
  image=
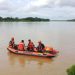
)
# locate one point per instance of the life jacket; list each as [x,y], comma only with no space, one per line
[31,45]
[41,46]
[21,46]
[12,42]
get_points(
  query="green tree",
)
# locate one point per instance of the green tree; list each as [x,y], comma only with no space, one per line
[1,18]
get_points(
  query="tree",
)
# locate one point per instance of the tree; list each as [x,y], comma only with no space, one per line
[1,18]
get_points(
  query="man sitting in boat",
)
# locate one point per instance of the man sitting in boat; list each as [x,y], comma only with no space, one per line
[30,46]
[40,47]
[12,43]
[21,46]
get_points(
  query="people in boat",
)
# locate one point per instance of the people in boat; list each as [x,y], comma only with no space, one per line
[40,47]
[30,46]
[12,43]
[21,46]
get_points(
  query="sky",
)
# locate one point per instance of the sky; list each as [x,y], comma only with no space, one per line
[52,9]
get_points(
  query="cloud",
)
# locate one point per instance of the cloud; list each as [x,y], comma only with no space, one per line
[2,1]
[54,9]
[67,3]
[39,3]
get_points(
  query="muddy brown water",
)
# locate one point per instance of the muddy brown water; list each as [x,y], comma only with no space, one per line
[59,35]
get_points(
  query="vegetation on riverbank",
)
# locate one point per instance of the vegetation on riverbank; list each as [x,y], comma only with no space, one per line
[64,20]
[71,70]
[71,20]
[28,19]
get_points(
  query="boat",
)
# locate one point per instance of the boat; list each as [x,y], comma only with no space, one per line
[16,51]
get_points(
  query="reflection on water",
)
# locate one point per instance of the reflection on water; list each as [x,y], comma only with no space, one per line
[23,59]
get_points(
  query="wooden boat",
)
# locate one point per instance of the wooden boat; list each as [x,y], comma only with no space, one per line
[32,53]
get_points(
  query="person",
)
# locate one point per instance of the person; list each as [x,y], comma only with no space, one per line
[30,46]
[12,43]
[21,46]
[40,47]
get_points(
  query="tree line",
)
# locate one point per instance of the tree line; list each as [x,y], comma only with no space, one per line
[6,19]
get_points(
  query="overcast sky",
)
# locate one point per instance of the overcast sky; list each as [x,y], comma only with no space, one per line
[53,9]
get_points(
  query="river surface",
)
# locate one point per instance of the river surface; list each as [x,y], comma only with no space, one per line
[59,35]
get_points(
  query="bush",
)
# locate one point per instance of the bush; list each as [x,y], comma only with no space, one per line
[71,70]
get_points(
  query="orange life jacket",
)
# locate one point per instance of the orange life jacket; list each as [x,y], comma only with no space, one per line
[21,46]
[30,45]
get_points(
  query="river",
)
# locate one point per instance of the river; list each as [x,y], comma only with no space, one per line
[59,35]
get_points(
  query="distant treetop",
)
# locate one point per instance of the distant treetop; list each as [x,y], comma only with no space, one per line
[27,19]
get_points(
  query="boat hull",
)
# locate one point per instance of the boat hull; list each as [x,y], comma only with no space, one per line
[31,53]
